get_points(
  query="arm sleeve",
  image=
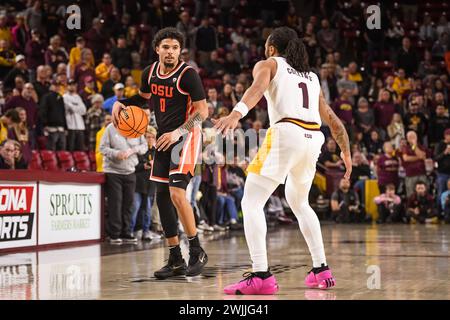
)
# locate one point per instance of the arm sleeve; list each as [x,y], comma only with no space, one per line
[137,99]
[81,107]
[144,80]
[192,84]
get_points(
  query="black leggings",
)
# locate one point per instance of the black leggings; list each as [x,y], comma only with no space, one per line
[167,212]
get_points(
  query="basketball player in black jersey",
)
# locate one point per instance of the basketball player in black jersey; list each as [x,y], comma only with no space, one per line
[177,97]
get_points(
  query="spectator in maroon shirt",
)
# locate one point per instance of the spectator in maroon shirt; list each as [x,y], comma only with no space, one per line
[84,69]
[387,167]
[34,51]
[344,109]
[26,101]
[421,206]
[88,91]
[55,54]
[384,110]
[413,160]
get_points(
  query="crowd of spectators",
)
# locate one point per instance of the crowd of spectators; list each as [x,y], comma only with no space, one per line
[389,86]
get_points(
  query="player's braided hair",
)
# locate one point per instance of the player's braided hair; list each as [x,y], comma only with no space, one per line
[168,33]
[290,46]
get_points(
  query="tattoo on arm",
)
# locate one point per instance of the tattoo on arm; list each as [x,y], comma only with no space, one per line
[193,121]
[338,131]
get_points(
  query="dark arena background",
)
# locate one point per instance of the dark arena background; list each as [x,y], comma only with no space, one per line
[384,70]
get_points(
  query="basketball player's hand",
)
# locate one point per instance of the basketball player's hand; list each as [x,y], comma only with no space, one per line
[117,107]
[347,158]
[228,123]
[167,139]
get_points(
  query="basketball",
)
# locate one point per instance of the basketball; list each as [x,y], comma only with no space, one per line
[133,122]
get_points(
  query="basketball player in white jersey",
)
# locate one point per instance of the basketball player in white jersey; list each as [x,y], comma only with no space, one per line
[288,155]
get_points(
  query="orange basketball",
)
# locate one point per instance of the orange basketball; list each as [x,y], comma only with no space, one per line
[133,122]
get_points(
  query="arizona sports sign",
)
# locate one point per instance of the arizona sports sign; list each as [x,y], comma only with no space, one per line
[17,215]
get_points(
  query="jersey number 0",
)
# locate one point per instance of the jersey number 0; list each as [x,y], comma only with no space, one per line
[162,104]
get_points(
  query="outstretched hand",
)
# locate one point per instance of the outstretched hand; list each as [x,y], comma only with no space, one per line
[228,123]
[167,139]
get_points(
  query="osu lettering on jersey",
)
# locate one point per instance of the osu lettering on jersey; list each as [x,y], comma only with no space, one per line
[172,94]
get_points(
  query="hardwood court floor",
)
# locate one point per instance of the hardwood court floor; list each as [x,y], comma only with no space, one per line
[413,263]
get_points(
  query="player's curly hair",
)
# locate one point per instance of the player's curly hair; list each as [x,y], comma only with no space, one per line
[291,47]
[168,33]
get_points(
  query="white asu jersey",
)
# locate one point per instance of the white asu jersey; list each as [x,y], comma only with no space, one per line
[292,94]
[293,142]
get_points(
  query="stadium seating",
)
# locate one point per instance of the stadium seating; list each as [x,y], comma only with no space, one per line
[65,159]
[82,162]
[49,160]
[36,161]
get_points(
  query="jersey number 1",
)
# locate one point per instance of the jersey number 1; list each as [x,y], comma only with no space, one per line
[162,104]
[304,88]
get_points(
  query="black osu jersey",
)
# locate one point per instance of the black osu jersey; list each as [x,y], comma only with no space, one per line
[172,94]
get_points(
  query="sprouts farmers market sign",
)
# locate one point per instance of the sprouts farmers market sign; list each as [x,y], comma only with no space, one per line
[68,212]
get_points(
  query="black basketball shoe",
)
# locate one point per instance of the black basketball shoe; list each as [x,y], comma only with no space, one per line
[197,261]
[172,269]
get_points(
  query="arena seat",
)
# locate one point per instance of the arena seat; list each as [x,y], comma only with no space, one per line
[42,142]
[82,161]
[36,161]
[65,160]
[49,160]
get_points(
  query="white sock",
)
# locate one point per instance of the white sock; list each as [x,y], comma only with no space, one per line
[257,191]
[297,198]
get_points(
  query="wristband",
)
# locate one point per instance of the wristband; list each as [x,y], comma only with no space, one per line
[242,108]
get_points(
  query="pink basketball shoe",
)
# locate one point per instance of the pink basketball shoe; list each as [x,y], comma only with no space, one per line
[252,284]
[321,280]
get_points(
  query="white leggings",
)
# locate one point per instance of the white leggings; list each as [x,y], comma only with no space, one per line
[257,191]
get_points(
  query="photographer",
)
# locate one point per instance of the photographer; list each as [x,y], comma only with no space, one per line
[345,204]
[421,205]
[389,205]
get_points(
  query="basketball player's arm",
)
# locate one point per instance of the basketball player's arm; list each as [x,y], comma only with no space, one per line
[139,99]
[338,132]
[192,84]
[262,74]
